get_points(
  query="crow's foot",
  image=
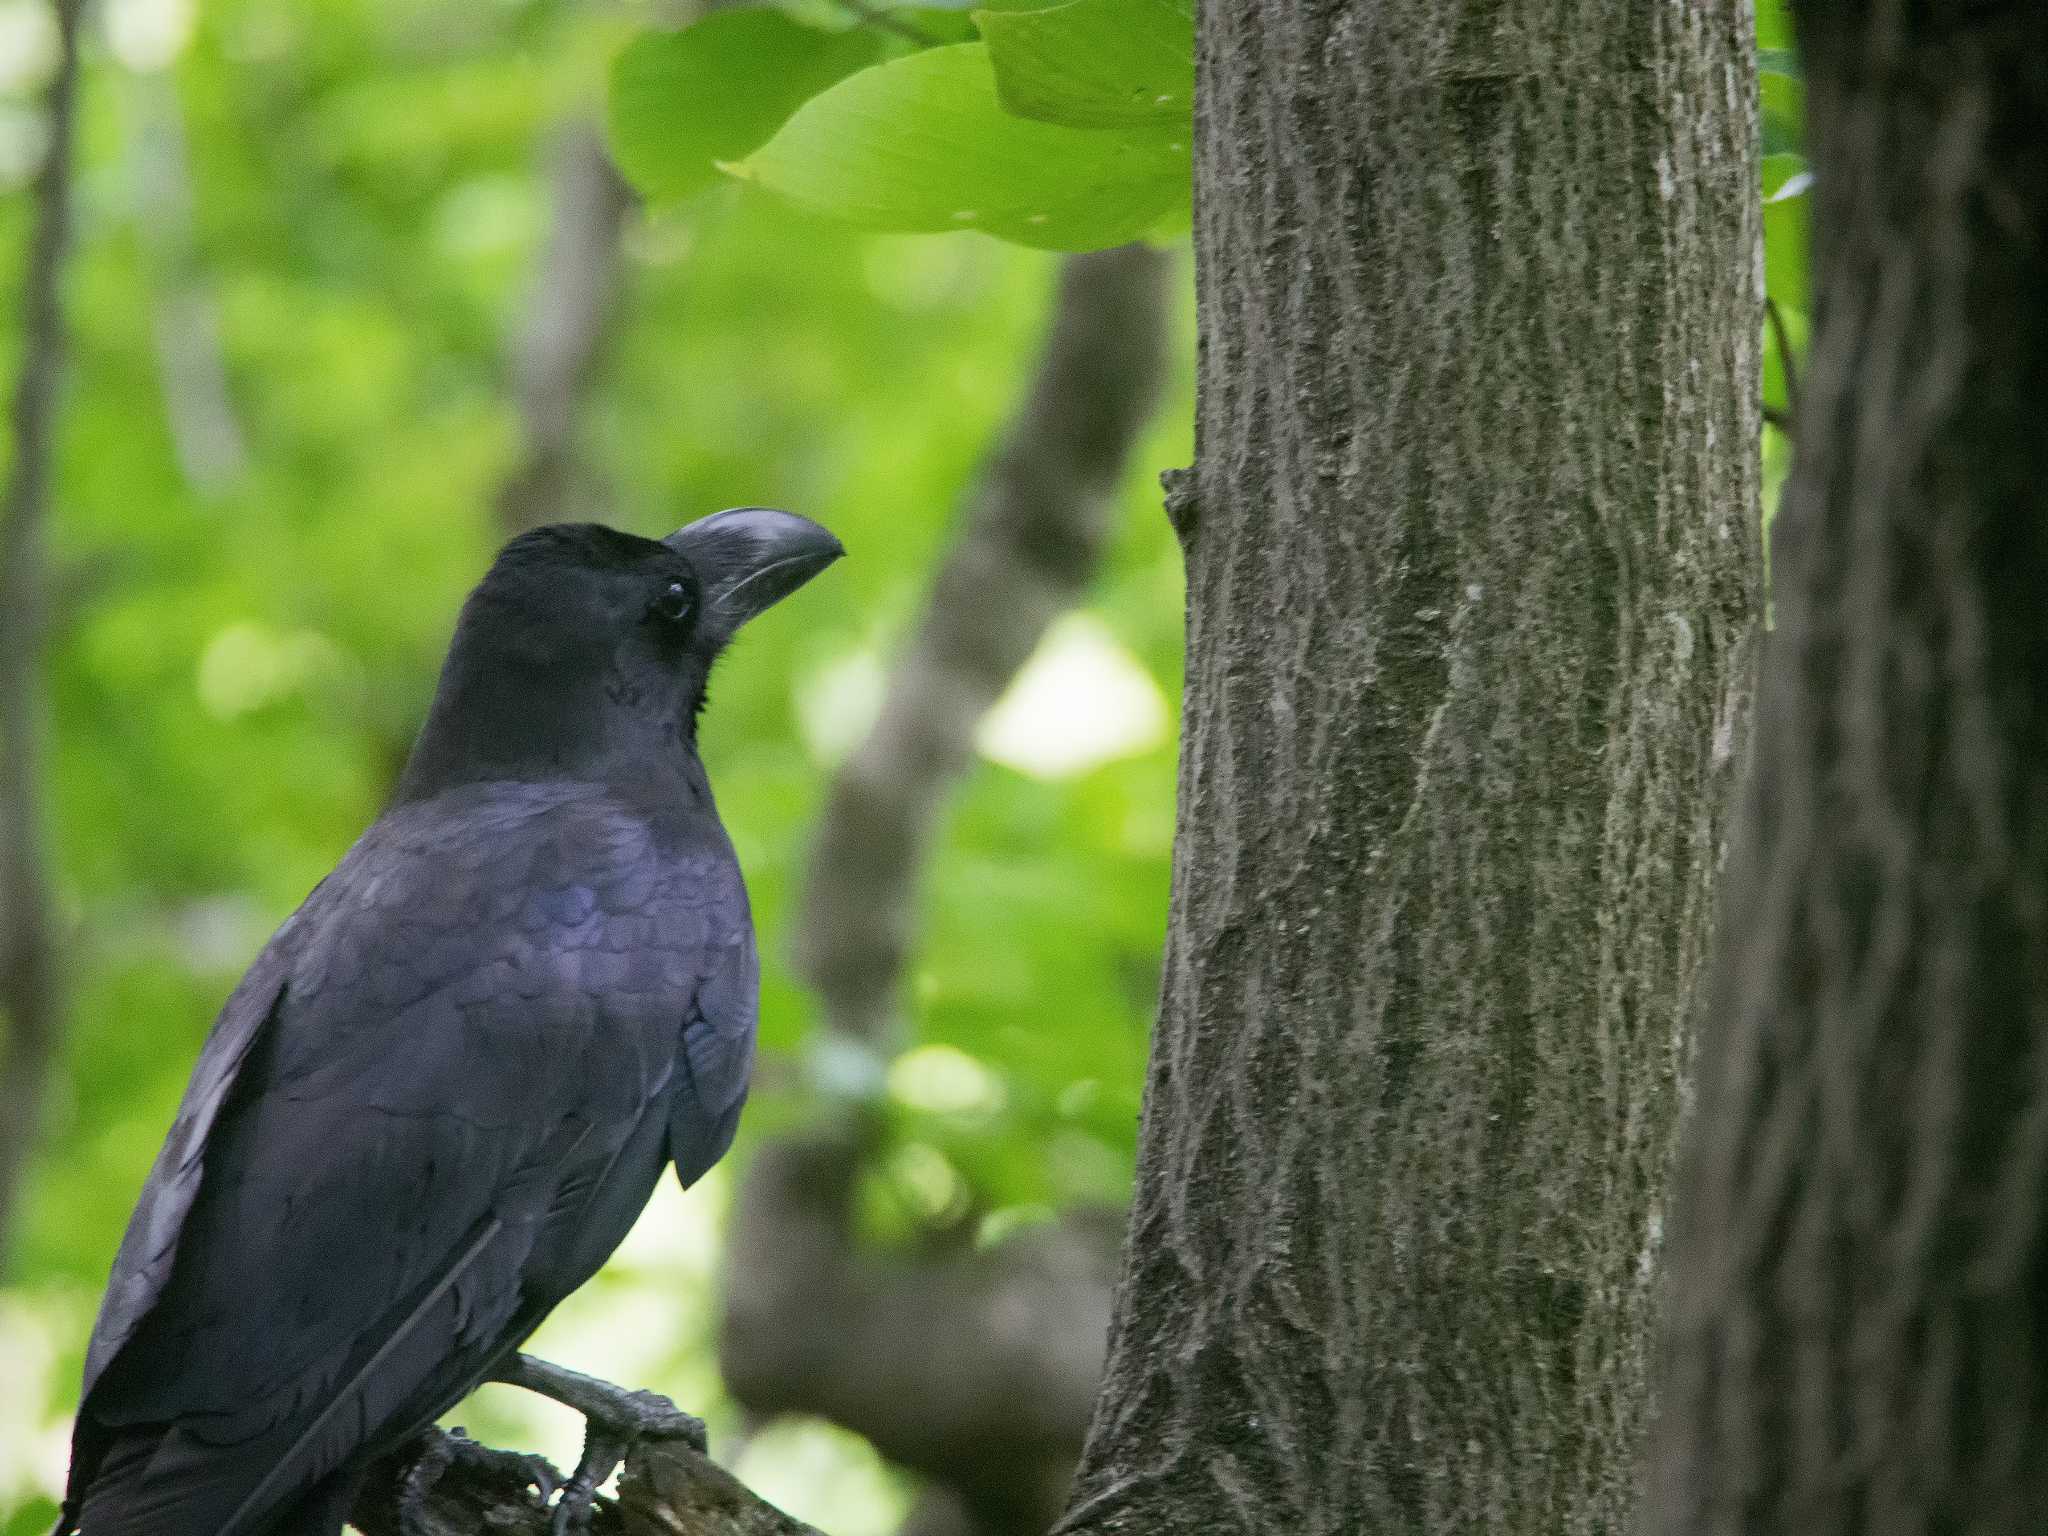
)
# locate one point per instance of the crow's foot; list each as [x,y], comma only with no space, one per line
[445,1450]
[629,1415]
[616,1420]
[602,1453]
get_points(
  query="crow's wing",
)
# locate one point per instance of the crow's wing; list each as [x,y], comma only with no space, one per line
[481,1010]
[718,1047]
[151,1241]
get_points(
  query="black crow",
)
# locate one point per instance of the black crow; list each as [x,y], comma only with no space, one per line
[445,1089]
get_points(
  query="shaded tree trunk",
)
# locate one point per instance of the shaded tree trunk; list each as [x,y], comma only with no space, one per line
[31,983]
[1472,614]
[1859,1315]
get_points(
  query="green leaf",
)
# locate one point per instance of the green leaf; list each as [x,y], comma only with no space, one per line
[1095,63]
[1786,217]
[1774,24]
[1782,98]
[921,143]
[683,101]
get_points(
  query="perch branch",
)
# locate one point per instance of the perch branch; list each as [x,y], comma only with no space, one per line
[668,1488]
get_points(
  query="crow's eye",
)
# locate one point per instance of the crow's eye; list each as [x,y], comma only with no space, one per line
[673,605]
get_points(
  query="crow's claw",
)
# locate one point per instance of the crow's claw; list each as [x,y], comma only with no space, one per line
[446,1450]
[615,1420]
[602,1453]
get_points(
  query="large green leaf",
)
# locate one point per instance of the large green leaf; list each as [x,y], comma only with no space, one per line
[683,101]
[922,143]
[1095,63]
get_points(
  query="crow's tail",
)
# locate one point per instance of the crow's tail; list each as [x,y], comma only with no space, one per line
[153,1482]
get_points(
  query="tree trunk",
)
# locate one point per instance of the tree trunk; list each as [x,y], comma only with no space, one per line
[1472,613]
[1860,1284]
[31,979]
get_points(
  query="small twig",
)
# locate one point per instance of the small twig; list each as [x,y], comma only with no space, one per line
[881,18]
[1783,419]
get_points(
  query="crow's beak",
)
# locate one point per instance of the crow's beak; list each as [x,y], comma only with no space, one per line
[750,558]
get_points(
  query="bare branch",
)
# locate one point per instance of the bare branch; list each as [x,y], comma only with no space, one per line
[566,331]
[31,996]
[1032,536]
[976,1369]
[666,1489]
[206,432]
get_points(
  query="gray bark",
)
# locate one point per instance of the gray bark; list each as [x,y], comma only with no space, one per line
[1472,617]
[665,1489]
[976,1370]
[566,327]
[31,984]
[1859,1314]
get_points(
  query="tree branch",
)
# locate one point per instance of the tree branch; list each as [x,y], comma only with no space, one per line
[31,1000]
[1030,543]
[666,1489]
[206,431]
[567,330]
[976,1369]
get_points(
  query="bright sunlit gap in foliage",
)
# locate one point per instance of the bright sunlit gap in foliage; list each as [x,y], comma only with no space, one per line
[1081,701]
[248,665]
[35,1449]
[944,1080]
[824,1474]
[148,35]
[837,704]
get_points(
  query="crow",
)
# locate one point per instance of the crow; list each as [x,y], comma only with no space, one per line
[448,1085]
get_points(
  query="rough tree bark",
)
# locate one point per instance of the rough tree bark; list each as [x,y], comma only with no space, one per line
[1859,1314]
[31,985]
[1472,615]
[975,1369]
[665,1489]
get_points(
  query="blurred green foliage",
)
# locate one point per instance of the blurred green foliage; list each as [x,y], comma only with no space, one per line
[240,657]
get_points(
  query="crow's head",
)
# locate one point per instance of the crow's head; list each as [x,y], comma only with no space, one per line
[584,649]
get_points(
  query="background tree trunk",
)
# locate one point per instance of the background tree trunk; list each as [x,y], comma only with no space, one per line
[31,979]
[1860,1283]
[1473,591]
